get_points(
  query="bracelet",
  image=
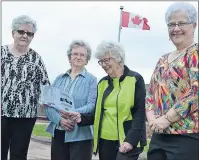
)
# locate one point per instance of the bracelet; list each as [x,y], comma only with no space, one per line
[166,117]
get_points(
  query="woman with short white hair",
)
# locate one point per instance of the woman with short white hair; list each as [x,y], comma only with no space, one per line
[22,74]
[172,98]
[119,119]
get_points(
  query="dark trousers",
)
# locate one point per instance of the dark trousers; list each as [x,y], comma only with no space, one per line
[173,147]
[80,150]
[108,150]
[157,154]
[15,135]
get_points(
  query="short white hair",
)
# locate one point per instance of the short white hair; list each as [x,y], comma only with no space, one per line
[23,19]
[184,7]
[79,43]
[113,49]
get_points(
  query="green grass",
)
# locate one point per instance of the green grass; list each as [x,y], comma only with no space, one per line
[40,130]
[146,148]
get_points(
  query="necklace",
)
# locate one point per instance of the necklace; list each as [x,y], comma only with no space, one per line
[176,54]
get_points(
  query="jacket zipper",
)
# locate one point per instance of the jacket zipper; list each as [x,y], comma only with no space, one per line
[117,114]
[101,123]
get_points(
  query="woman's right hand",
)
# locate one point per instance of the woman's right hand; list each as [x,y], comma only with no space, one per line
[151,117]
[67,124]
[74,116]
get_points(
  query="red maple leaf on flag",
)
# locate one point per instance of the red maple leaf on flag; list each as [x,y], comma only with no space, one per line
[136,20]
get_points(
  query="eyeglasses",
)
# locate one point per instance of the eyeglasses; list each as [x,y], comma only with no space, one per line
[22,32]
[105,60]
[180,25]
[78,54]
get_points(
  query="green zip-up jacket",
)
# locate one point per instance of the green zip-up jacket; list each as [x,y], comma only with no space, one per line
[131,127]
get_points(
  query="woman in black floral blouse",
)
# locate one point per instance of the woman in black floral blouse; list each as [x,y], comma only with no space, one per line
[22,73]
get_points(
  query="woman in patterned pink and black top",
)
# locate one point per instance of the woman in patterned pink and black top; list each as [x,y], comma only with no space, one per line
[172,98]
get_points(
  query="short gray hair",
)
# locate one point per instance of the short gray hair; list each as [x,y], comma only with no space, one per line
[23,19]
[182,6]
[114,49]
[80,43]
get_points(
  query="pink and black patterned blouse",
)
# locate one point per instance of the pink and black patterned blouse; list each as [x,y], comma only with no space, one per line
[175,85]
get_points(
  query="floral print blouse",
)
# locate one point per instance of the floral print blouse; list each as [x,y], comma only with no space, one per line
[175,85]
[21,79]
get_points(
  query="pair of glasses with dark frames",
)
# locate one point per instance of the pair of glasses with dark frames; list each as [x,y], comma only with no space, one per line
[104,61]
[22,32]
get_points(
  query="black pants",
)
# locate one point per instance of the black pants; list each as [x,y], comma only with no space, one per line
[173,147]
[108,150]
[15,135]
[80,150]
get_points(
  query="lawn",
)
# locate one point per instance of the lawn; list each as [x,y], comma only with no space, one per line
[40,130]
[146,148]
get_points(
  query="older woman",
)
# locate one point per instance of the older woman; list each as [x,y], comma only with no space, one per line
[70,142]
[22,74]
[173,91]
[119,123]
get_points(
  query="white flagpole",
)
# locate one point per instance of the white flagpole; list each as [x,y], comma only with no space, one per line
[120,25]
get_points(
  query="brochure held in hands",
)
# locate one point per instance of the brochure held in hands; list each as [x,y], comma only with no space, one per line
[56,98]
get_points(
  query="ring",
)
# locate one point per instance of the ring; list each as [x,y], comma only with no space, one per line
[156,130]
[160,131]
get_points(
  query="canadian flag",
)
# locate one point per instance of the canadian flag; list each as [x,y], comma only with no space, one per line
[132,20]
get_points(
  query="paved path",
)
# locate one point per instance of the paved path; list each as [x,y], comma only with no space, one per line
[40,151]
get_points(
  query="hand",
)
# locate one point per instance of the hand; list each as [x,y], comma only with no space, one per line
[125,147]
[151,119]
[67,124]
[160,124]
[64,114]
[43,105]
[74,116]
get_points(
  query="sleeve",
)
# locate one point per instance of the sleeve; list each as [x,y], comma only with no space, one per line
[187,103]
[149,100]
[92,95]
[51,113]
[139,115]
[44,80]
[87,119]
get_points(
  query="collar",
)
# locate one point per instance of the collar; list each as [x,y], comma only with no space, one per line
[126,71]
[83,73]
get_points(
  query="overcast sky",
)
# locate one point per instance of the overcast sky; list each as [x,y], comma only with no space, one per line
[61,22]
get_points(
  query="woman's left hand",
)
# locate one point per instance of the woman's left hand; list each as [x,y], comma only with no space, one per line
[160,124]
[125,147]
